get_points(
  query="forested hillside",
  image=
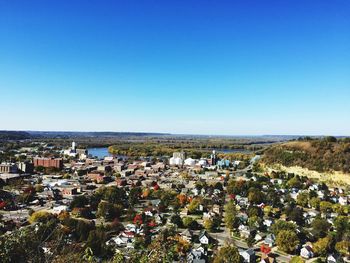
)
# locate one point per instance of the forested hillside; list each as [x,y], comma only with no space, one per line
[328,154]
[14,135]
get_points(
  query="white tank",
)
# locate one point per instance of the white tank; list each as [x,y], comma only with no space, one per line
[190,162]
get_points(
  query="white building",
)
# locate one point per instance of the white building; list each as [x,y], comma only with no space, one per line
[190,162]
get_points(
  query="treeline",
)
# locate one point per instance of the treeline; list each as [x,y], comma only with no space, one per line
[14,135]
[322,155]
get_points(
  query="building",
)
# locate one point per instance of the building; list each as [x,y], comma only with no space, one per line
[190,162]
[248,255]
[74,152]
[25,167]
[8,168]
[307,252]
[48,162]
[177,159]
[213,158]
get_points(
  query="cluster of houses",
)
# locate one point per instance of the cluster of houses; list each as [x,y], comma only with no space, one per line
[82,175]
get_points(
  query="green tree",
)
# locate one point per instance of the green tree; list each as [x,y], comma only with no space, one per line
[343,247]
[315,203]
[297,259]
[208,224]
[108,211]
[325,206]
[189,222]
[228,254]
[287,241]
[280,225]
[40,216]
[303,199]
[230,219]
[255,196]
[320,227]
[194,205]
[322,246]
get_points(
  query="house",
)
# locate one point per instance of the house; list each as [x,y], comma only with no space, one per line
[259,236]
[244,231]
[268,222]
[267,259]
[334,258]
[96,176]
[196,256]
[187,235]
[118,241]
[270,240]
[68,190]
[217,209]
[204,238]
[343,200]
[307,252]
[248,255]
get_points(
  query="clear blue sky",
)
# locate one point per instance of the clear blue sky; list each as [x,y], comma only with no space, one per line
[184,66]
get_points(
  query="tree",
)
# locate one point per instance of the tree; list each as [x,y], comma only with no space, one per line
[176,220]
[294,182]
[325,206]
[96,242]
[320,227]
[255,196]
[194,205]
[134,195]
[228,254]
[280,225]
[303,199]
[315,203]
[343,247]
[182,199]
[342,226]
[287,241]
[230,219]
[322,246]
[208,224]
[108,211]
[297,259]
[40,216]
[79,201]
[189,222]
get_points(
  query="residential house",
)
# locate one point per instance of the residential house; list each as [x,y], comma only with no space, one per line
[248,255]
[334,258]
[307,252]
[187,235]
[204,238]
[270,240]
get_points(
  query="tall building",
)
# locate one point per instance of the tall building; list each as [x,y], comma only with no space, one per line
[213,158]
[177,159]
[48,162]
[25,167]
[74,152]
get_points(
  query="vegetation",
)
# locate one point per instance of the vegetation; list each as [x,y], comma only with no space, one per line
[228,254]
[287,241]
[320,155]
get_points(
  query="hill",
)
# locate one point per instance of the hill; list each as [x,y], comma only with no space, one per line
[321,155]
[14,135]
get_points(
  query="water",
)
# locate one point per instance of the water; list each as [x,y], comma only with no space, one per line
[232,151]
[100,152]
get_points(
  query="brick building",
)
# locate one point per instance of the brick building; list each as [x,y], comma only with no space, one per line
[48,162]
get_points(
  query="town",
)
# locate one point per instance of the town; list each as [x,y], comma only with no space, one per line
[62,204]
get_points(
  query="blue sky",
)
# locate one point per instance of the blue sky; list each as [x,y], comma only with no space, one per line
[185,66]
